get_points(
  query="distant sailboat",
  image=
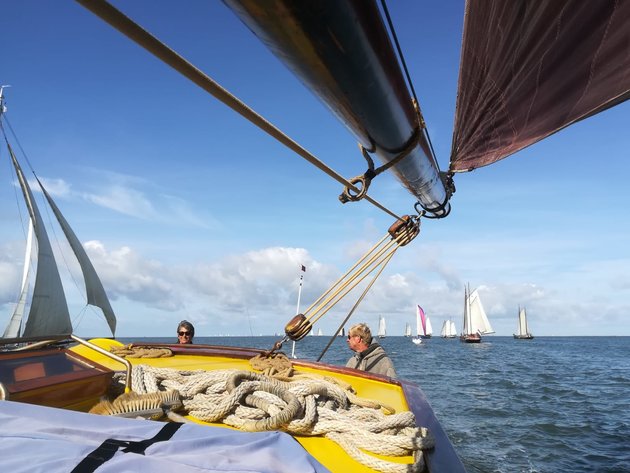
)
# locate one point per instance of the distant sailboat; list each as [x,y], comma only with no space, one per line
[523,329]
[342,332]
[407,330]
[382,329]
[420,327]
[425,330]
[319,332]
[448,329]
[476,321]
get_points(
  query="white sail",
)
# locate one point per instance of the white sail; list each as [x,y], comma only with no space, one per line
[407,330]
[453,330]
[428,328]
[522,329]
[475,318]
[15,323]
[49,311]
[445,329]
[448,329]
[93,287]
[382,329]
[319,332]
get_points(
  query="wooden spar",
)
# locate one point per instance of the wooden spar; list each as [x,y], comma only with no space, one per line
[342,52]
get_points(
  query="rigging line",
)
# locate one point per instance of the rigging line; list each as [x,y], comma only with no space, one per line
[17,141]
[413,90]
[383,256]
[347,286]
[143,38]
[356,304]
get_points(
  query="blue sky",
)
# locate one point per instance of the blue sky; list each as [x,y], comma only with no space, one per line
[188,211]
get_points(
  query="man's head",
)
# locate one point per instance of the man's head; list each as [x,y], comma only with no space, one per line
[185,332]
[359,337]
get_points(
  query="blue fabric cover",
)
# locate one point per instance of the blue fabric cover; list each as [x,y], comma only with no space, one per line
[43,439]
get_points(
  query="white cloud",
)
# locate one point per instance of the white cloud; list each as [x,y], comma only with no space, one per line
[125,273]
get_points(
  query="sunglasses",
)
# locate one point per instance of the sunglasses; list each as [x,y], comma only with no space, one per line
[183,334]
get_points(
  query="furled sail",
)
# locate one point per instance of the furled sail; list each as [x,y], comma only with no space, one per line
[546,65]
[15,323]
[93,287]
[49,311]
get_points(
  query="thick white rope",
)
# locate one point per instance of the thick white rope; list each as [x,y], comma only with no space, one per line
[305,405]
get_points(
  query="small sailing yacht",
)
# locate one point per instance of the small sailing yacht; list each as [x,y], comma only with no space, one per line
[382,329]
[425,330]
[448,329]
[522,329]
[476,321]
[421,326]
[407,330]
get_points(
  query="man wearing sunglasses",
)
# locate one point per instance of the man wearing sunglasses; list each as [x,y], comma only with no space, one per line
[369,355]
[185,332]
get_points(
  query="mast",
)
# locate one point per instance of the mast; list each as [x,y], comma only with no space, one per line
[297,310]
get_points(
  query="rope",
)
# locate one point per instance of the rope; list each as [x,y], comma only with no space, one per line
[132,351]
[302,404]
[381,253]
[136,33]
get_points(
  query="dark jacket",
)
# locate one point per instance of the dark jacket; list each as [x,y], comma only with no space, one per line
[373,359]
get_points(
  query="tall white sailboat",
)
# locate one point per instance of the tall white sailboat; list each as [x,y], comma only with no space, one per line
[448,329]
[522,329]
[407,330]
[476,321]
[382,328]
[48,313]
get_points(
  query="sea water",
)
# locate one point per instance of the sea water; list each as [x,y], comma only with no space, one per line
[552,404]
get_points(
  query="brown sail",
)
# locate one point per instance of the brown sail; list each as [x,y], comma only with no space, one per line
[530,69]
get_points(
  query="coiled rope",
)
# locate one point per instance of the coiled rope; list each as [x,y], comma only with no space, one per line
[300,405]
[139,351]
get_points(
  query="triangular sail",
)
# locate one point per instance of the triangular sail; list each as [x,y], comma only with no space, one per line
[407,330]
[453,330]
[546,65]
[445,329]
[479,322]
[522,322]
[15,323]
[466,328]
[49,311]
[421,322]
[382,328]
[93,287]
[428,327]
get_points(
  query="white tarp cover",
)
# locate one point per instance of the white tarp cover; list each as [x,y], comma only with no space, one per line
[43,439]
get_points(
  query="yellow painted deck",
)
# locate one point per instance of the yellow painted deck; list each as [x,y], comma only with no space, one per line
[331,455]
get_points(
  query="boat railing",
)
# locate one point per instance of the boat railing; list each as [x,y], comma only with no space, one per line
[108,354]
